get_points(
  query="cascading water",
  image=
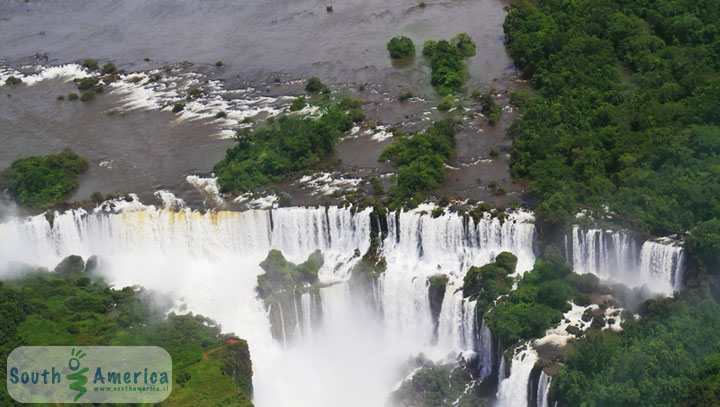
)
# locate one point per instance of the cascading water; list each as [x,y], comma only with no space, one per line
[614,255]
[543,390]
[337,346]
[513,390]
[485,347]
[419,246]
[662,260]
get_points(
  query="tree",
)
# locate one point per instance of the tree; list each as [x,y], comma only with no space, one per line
[401,47]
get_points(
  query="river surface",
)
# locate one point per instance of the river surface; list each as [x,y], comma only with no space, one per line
[267,49]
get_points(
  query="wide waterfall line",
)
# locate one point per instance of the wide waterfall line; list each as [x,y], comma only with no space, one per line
[617,256]
[210,262]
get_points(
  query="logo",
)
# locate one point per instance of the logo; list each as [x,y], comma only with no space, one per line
[79,379]
[91,374]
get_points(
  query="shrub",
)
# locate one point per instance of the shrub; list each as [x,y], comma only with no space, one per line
[73,96]
[87,83]
[60,97]
[178,107]
[220,115]
[108,69]
[96,196]
[377,188]
[329,9]
[429,48]
[314,85]
[446,104]
[446,61]
[91,64]
[401,47]
[494,152]
[298,104]
[87,95]
[422,4]
[219,63]
[13,80]
[465,44]
[405,96]
[195,93]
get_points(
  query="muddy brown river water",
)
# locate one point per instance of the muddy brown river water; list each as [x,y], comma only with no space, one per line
[144,149]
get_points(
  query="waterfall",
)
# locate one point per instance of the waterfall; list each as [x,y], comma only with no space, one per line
[418,246]
[513,390]
[485,348]
[614,256]
[662,260]
[543,390]
[210,262]
[456,328]
[308,310]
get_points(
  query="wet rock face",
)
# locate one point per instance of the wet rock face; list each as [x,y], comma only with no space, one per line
[436,292]
[70,265]
[281,288]
[281,274]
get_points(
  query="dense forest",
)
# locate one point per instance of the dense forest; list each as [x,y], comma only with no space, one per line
[73,306]
[624,112]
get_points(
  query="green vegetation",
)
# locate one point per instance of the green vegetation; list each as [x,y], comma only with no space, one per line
[37,182]
[439,386]
[489,282]
[281,274]
[13,80]
[282,284]
[109,69]
[446,103]
[73,96]
[221,114]
[401,47]
[446,60]
[89,83]
[60,97]
[219,64]
[670,357]
[539,301]
[284,146]
[195,93]
[91,64]
[489,108]
[465,44]
[626,110]
[420,160]
[314,85]
[405,96]
[87,95]
[298,104]
[73,306]
[178,107]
